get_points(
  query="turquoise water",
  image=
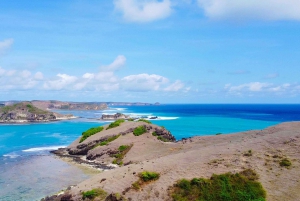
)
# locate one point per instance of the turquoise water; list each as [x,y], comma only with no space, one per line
[28,171]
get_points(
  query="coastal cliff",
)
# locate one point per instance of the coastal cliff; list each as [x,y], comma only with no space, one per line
[268,159]
[27,112]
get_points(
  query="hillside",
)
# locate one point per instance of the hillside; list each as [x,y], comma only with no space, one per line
[270,157]
[27,112]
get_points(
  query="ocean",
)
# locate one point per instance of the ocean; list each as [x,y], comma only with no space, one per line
[28,171]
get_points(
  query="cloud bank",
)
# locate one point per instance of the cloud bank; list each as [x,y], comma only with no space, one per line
[143,10]
[251,9]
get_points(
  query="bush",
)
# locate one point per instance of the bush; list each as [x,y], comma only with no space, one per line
[162,139]
[122,151]
[146,121]
[149,176]
[154,133]
[108,140]
[115,124]
[225,187]
[97,192]
[90,132]
[285,162]
[139,130]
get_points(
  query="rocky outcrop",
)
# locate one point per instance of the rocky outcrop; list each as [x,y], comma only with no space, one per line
[114,116]
[162,132]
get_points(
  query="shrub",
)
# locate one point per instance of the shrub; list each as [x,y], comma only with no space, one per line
[97,192]
[225,187]
[139,130]
[122,151]
[146,121]
[162,139]
[108,140]
[123,147]
[149,176]
[285,162]
[154,133]
[90,132]
[115,124]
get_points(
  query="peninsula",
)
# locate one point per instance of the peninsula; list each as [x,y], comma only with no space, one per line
[26,112]
[144,162]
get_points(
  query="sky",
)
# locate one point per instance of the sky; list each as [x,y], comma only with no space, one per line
[168,51]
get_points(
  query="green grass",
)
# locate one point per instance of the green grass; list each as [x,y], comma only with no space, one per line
[224,187]
[122,151]
[149,176]
[23,106]
[115,124]
[145,177]
[107,141]
[285,162]
[90,132]
[146,121]
[95,193]
[162,139]
[154,133]
[139,130]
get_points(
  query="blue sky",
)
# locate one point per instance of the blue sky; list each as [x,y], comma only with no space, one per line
[170,51]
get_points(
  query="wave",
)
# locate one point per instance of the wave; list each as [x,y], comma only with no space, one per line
[36,149]
[165,118]
[11,155]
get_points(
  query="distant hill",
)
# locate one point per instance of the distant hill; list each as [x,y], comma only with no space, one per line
[27,112]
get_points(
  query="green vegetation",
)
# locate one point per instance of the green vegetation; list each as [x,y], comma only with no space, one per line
[162,139]
[108,140]
[145,177]
[154,133]
[115,124]
[149,176]
[95,193]
[139,130]
[249,153]
[25,106]
[131,119]
[90,132]
[225,187]
[285,162]
[146,121]
[122,151]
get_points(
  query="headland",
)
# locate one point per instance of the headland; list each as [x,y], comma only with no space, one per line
[129,150]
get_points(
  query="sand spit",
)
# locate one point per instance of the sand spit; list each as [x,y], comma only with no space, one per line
[189,158]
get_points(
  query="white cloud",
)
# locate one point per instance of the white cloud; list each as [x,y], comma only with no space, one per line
[10,72]
[38,76]
[25,74]
[88,76]
[253,86]
[61,82]
[5,45]
[116,64]
[251,9]
[176,86]
[143,82]
[143,10]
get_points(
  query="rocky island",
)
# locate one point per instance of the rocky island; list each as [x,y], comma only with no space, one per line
[26,112]
[145,162]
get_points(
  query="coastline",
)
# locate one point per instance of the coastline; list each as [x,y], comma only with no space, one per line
[219,154]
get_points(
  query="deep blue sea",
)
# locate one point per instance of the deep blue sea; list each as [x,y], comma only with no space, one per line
[29,172]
